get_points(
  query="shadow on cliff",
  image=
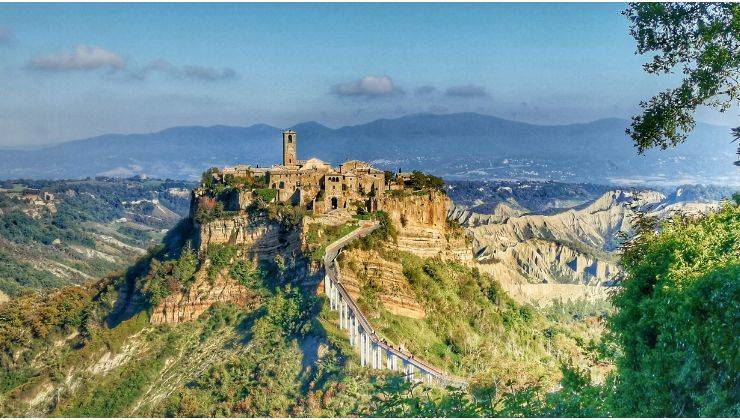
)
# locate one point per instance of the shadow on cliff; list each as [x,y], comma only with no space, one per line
[130,301]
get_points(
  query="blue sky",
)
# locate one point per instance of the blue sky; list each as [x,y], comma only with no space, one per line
[71,71]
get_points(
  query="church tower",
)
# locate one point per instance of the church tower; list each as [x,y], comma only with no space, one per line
[289,145]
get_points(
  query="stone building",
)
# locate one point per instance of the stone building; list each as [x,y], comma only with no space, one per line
[316,184]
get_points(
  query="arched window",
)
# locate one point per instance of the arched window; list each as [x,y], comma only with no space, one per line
[290,138]
[273,185]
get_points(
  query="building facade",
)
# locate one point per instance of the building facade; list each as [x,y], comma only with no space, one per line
[315,184]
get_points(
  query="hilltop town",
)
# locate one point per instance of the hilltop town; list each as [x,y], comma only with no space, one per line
[310,184]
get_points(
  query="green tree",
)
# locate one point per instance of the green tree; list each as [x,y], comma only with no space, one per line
[678,317]
[700,39]
[207,179]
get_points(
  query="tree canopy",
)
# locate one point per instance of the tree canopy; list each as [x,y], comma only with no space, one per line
[701,40]
[677,319]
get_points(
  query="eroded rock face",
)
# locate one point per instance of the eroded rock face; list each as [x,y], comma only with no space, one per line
[421,221]
[360,267]
[183,307]
[573,246]
[262,238]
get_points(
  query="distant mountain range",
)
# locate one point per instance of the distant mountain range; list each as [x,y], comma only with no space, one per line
[454,146]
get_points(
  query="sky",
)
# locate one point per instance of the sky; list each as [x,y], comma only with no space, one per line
[71,71]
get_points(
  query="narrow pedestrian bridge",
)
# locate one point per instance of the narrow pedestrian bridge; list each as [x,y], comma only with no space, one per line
[374,351]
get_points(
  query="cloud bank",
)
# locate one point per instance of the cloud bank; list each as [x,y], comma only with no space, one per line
[368,86]
[83,57]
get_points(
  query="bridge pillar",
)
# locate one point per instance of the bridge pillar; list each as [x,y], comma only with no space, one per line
[327,290]
[334,298]
[390,360]
[334,295]
[347,318]
[351,325]
[373,356]
[409,371]
[363,360]
[342,314]
[355,329]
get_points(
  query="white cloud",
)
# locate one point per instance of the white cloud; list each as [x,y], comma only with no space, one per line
[466,91]
[84,57]
[368,86]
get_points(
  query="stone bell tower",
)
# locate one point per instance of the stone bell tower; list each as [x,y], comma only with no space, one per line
[289,148]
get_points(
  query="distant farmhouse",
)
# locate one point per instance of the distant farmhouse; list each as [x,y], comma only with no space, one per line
[315,184]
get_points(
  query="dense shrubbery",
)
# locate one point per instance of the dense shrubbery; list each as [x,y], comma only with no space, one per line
[220,256]
[678,317]
[169,276]
[420,181]
[268,380]
[34,321]
[206,212]
[266,194]
[18,227]
[386,231]
[320,236]
[247,274]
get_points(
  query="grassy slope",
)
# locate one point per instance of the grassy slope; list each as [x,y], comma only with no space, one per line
[474,329]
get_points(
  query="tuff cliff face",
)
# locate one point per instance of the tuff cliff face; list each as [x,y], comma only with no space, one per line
[422,229]
[183,307]
[421,221]
[259,240]
[365,268]
[261,237]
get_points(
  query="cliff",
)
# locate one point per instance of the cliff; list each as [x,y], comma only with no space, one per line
[262,238]
[258,240]
[362,268]
[204,292]
[421,222]
[573,246]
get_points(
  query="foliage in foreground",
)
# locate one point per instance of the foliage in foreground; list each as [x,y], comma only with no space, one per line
[700,39]
[678,318]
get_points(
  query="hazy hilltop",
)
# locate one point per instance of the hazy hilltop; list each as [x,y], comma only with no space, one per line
[454,146]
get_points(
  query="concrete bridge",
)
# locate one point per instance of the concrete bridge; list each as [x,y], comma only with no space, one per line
[374,351]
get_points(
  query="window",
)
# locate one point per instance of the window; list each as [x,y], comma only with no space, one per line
[290,138]
[282,185]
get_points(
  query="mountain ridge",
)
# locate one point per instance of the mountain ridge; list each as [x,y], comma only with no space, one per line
[455,146]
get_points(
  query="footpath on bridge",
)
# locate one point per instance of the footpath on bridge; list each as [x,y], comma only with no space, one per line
[374,351]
